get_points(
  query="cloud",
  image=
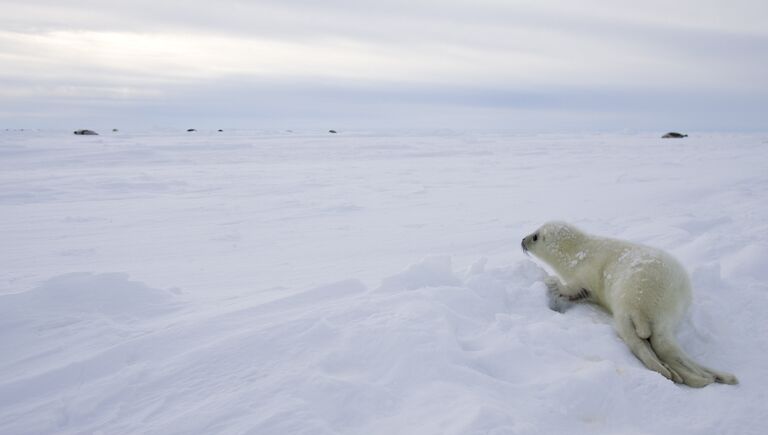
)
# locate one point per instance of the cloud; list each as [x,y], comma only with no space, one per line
[596,57]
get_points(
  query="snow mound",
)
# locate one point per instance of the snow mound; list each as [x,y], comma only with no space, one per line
[430,272]
[427,352]
[72,330]
[112,295]
[748,262]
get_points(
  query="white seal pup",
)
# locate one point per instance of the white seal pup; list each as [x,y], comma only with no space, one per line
[645,289]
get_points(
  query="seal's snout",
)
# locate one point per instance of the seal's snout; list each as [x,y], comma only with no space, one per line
[525,248]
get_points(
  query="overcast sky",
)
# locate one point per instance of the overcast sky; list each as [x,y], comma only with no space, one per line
[483,64]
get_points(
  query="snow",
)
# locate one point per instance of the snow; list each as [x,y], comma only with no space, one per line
[269,282]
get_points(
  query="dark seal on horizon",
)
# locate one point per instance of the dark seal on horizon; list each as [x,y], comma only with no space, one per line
[85,132]
[191,129]
[332,131]
[674,135]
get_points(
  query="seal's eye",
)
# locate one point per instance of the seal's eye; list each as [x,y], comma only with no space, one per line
[536,237]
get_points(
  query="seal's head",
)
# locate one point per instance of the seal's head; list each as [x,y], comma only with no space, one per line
[553,241]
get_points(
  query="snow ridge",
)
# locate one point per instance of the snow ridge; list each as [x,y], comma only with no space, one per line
[430,350]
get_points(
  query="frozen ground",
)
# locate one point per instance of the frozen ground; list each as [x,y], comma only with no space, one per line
[275,283]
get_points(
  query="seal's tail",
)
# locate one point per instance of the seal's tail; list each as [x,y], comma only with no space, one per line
[692,373]
[636,339]
[658,350]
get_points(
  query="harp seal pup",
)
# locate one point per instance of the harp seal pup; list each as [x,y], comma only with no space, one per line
[645,289]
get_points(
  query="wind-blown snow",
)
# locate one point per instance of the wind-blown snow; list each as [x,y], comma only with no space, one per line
[273,283]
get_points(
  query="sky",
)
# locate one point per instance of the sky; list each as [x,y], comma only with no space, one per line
[543,65]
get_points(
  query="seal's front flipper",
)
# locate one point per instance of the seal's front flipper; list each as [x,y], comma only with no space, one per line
[556,300]
[558,303]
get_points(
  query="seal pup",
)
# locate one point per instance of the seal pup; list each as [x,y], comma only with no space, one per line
[645,289]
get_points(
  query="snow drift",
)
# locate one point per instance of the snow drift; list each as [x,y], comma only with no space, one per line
[249,283]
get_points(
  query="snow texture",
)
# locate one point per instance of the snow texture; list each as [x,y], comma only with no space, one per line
[276,283]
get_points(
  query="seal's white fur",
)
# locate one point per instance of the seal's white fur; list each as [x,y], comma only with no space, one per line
[645,289]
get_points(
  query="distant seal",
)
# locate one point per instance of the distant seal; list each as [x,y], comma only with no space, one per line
[645,289]
[674,135]
[85,132]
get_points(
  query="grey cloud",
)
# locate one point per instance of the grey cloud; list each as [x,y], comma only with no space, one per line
[248,104]
[607,61]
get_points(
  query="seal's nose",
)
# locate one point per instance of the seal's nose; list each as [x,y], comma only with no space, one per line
[525,248]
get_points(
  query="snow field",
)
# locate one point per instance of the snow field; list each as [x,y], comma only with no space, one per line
[273,304]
